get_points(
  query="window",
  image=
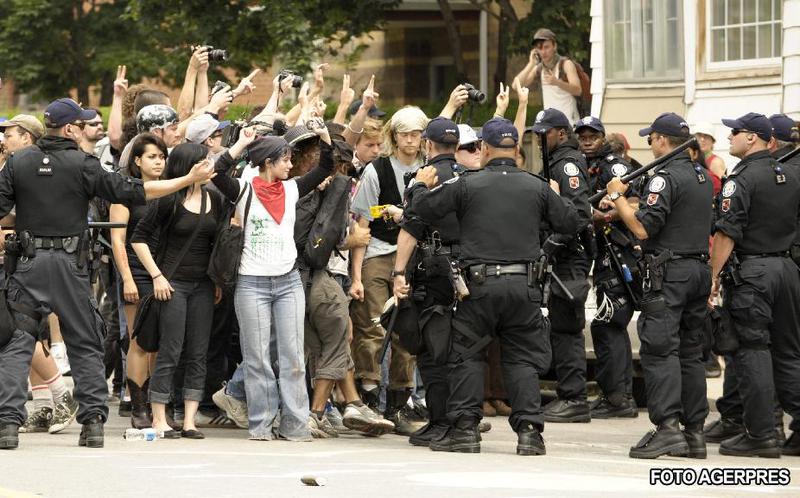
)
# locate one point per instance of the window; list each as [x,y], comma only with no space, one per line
[744,31]
[644,40]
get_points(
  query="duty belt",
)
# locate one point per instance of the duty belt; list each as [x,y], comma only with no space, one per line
[698,256]
[448,249]
[68,244]
[781,254]
[497,270]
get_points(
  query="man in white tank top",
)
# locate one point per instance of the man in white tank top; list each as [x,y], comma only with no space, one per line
[545,68]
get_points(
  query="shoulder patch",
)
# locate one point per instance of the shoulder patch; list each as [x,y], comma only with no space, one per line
[657,184]
[729,188]
[571,169]
[619,169]
[652,199]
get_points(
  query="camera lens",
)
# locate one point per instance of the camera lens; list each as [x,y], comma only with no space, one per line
[217,55]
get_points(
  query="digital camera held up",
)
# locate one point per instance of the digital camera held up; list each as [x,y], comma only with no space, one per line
[217,54]
[296,79]
[473,94]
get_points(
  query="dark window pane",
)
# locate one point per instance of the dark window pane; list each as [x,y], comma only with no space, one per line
[749,42]
[734,11]
[717,45]
[734,43]
[717,12]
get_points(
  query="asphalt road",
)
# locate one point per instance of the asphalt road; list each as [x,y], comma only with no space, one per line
[582,460]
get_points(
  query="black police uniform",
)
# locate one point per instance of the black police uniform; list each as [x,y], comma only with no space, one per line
[51,185]
[617,289]
[438,245]
[572,263]
[675,211]
[500,210]
[759,211]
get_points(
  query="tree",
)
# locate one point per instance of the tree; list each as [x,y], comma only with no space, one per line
[51,46]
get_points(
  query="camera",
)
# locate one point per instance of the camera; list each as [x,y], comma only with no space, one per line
[474,94]
[220,85]
[231,133]
[217,54]
[297,80]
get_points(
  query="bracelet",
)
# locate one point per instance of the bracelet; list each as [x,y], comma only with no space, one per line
[354,131]
[397,273]
[155,277]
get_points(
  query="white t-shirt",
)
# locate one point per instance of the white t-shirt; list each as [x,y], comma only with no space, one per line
[269,247]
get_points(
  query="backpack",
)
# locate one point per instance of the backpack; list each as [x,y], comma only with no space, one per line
[584,100]
[329,224]
[226,256]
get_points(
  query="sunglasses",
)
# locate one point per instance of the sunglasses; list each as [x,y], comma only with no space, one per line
[80,124]
[736,131]
[93,123]
[471,147]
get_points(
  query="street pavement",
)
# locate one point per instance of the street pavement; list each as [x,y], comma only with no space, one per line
[582,460]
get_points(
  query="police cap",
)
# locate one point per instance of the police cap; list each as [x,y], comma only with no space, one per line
[669,124]
[65,111]
[754,122]
[784,128]
[550,118]
[500,133]
[442,131]
[590,122]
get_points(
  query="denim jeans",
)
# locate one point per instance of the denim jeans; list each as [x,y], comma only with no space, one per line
[235,386]
[267,306]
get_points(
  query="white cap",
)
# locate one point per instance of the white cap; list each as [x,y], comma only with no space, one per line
[201,128]
[466,135]
[705,128]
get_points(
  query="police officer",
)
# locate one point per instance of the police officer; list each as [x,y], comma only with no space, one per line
[572,263]
[437,247]
[614,270]
[758,221]
[500,210]
[729,405]
[673,222]
[51,185]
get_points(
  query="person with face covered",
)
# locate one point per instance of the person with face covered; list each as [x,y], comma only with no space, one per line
[269,294]
[382,184]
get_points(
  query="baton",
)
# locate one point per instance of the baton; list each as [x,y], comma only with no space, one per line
[644,169]
[106,224]
[558,281]
[387,339]
[789,156]
[545,155]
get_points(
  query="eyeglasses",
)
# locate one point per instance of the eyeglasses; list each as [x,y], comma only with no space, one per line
[649,140]
[471,147]
[736,131]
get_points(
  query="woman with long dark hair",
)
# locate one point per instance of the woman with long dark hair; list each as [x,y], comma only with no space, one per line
[148,160]
[188,218]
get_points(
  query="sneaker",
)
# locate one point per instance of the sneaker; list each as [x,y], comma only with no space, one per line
[213,420]
[38,421]
[320,427]
[403,423]
[59,352]
[235,409]
[364,420]
[64,413]
[334,416]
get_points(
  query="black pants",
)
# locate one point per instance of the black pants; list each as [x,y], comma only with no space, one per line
[439,291]
[504,306]
[671,343]
[612,345]
[766,313]
[184,328]
[218,360]
[52,282]
[729,404]
[567,321]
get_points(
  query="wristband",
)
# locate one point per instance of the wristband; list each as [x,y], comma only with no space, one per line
[397,273]
[156,276]
[354,131]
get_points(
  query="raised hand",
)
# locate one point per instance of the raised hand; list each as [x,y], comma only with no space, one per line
[120,83]
[370,97]
[246,85]
[347,95]
[502,101]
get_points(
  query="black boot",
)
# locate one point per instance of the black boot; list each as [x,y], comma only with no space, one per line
[430,432]
[397,412]
[696,441]
[667,439]
[745,445]
[9,436]
[614,407]
[568,410]
[92,433]
[529,441]
[792,445]
[780,434]
[461,438]
[722,429]
[139,418]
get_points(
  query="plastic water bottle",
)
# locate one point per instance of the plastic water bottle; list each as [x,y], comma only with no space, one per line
[148,434]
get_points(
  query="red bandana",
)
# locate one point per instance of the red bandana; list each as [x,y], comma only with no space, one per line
[272,197]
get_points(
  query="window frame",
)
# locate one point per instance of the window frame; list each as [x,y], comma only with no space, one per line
[712,66]
[635,44]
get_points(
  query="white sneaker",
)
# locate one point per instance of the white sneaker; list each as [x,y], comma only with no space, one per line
[235,410]
[364,420]
[320,427]
[59,352]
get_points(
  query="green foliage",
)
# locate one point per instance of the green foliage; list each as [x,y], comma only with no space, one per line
[570,21]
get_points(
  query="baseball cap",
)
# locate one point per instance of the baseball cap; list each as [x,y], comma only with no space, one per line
[441,130]
[669,124]
[65,111]
[373,112]
[543,34]
[297,134]
[466,135]
[784,128]
[752,121]
[550,118]
[201,128]
[591,122]
[155,116]
[498,132]
[27,123]
[268,147]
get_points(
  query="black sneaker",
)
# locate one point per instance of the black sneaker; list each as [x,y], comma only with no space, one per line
[424,436]
[667,439]
[792,445]
[605,409]
[744,445]
[567,410]
[458,441]
[530,442]
[38,421]
[92,433]
[722,429]
[9,436]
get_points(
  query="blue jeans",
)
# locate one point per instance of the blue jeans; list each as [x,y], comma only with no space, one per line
[267,305]
[235,386]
